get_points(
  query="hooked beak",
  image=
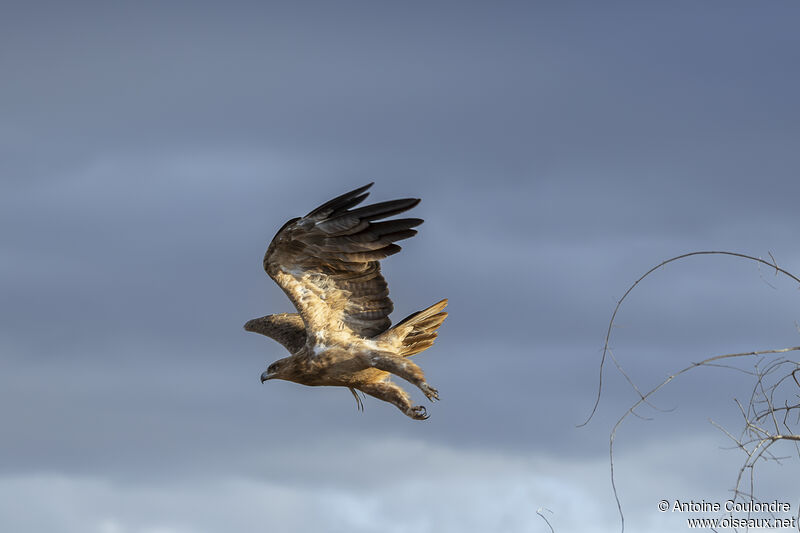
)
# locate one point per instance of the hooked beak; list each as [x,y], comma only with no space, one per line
[266,375]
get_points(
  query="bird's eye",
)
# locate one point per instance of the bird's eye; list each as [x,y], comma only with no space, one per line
[272,368]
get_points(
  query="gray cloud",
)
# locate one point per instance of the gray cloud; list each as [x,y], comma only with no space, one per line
[149,153]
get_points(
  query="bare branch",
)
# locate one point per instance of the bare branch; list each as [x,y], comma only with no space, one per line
[546,521]
[762,427]
[627,292]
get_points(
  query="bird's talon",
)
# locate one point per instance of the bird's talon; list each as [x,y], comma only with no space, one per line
[430,393]
[418,412]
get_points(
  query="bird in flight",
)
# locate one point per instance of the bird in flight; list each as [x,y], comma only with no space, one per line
[327,263]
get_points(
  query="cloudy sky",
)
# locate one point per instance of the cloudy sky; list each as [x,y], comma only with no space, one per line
[149,151]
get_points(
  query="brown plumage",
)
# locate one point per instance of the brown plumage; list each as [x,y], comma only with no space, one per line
[327,263]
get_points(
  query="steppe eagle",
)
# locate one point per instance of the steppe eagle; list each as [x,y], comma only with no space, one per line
[327,263]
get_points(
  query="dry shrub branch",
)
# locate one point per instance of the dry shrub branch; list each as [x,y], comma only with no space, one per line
[770,415]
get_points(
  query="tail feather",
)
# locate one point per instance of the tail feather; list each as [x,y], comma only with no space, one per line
[417,331]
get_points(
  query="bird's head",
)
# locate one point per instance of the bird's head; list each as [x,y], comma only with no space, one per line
[277,370]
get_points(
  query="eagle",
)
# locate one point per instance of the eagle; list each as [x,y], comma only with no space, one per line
[328,264]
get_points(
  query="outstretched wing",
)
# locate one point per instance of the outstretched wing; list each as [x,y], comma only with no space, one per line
[327,262]
[286,328]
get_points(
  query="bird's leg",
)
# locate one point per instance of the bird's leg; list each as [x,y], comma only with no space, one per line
[392,393]
[402,367]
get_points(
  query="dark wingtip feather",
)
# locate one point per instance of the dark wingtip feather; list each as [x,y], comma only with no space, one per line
[384,209]
[344,206]
[391,249]
[399,235]
[391,226]
[343,199]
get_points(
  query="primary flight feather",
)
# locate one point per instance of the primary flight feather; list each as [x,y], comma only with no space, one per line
[327,263]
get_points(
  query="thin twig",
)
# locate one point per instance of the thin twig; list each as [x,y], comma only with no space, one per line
[546,521]
[627,292]
[759,440]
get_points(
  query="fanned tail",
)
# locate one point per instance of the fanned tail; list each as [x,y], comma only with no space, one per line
[417,331]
